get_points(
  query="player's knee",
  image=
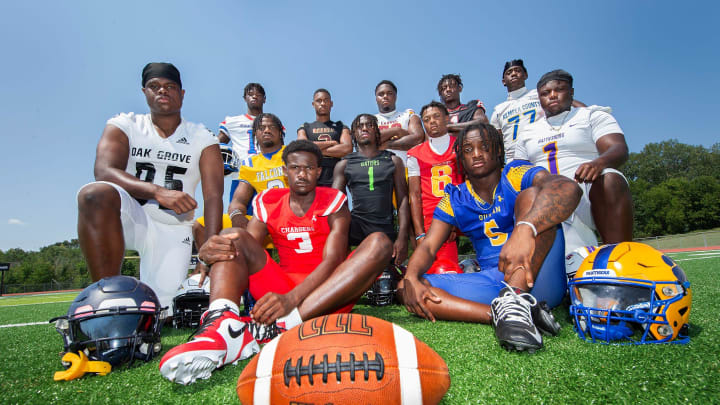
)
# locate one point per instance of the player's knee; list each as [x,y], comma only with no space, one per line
[97,196]
[614,190]
[380,245]
[525,199]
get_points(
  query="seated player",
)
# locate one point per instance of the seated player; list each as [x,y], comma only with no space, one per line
[431,166]
[309,227]
[521,108]
[332,137]
[585,144]
[257,173]
[510,214]
[399,130]
[147,168]
[372,175]
[461,115]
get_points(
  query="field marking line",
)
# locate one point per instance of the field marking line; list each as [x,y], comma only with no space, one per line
[24,324]
[36,303]
[694,258]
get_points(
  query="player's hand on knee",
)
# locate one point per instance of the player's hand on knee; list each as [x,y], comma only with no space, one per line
[588,172]
[177,201]
[415,294]
[270,307]
[217,248]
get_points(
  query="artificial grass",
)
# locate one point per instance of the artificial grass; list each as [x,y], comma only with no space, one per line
[568,369]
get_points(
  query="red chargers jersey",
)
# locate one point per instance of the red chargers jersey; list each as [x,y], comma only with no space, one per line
[436,171]
[300,241]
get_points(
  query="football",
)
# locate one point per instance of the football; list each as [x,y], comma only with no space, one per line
[345,359]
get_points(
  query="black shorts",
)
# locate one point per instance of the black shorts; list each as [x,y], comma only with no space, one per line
[360,229]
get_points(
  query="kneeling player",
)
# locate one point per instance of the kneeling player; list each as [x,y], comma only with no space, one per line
[309,227]
[513,261]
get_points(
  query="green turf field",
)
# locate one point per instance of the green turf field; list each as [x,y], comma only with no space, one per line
[567,370]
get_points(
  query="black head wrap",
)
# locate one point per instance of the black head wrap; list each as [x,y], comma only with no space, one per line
[558,74]
[514,62]
[160,69]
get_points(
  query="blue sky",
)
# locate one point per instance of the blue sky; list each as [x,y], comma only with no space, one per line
[69,66]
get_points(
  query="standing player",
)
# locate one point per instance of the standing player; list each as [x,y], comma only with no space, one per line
[511,216]
[372,175]
[585,144]
[309,226]
[238,128]
[521,108]
[332,137]
[399,130]
[431,166]
[461,115]
[147,168]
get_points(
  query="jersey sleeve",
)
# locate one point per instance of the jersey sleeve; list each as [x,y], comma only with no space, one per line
[206,137]
[123,121]
[336,200]
[521,173]
[521,152]
[413,167]
[260,210]
[495,120]
[244,174]
[603,124]
[444,211]
[223,129]
[479,104]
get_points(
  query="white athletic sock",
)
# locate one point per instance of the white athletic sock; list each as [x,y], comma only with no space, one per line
[292,319]
[221,303]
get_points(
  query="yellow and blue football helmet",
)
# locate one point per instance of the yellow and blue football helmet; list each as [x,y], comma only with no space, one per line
[630,293]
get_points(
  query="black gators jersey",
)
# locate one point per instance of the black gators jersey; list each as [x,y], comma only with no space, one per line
[371,182]
[325,131]
[465,112]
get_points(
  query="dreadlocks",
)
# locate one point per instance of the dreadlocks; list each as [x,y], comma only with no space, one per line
[253,86]
[449,76]
[373,123]
[492,138]
[276,121]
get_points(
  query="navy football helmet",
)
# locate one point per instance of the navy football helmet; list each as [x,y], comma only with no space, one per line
[230,160]
[191,300]
[382,291]
[116,319]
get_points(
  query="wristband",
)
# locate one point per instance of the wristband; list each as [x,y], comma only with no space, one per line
[235,212]
[201,261]
[422,235]
[528,224]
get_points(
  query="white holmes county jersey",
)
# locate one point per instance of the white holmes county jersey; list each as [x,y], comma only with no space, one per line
[395,119]
[565,141]
[239,130]
[521,108]
[172,162]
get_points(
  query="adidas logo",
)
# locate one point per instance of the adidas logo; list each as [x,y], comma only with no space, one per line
[183,140]
[187,241]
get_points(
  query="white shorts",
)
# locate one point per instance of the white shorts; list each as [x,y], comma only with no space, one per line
[580,228]
[164,249]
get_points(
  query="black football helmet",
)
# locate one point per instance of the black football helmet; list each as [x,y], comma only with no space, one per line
[382,291]
[116,319]
[190,301]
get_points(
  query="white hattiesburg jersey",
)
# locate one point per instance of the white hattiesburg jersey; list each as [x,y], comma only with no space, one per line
[395,119]
[521,108]
[565,141]
[172,162]
[239,129]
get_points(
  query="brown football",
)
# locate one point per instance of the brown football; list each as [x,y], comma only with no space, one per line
[345,359]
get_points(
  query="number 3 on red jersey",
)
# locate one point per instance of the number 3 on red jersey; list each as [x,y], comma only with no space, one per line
[305,245]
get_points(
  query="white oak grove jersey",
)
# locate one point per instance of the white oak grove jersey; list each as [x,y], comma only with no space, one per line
[395,119]
[521,108]
[172,162]
[565,141]
[239,129]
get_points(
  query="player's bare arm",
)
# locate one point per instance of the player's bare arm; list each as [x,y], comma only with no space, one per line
[613,152]
[400,247]
[478,117]
[272,306]
[555,200]
[113,151]
[414,291]
[339,180]
[415,198]
[211,178]
[339,149]
[412,137]
[323,145]
[240,200]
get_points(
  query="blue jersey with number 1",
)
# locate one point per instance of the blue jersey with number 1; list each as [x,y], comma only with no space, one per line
[488,224]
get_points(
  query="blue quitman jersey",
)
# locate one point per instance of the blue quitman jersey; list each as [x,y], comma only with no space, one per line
[487,224]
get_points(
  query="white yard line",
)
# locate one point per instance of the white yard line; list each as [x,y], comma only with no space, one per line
[24,324]
[37,303]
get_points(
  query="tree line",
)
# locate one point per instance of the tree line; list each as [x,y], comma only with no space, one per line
[675,189]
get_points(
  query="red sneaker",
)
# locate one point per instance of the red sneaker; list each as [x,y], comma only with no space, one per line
[263,333]
[221,339]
